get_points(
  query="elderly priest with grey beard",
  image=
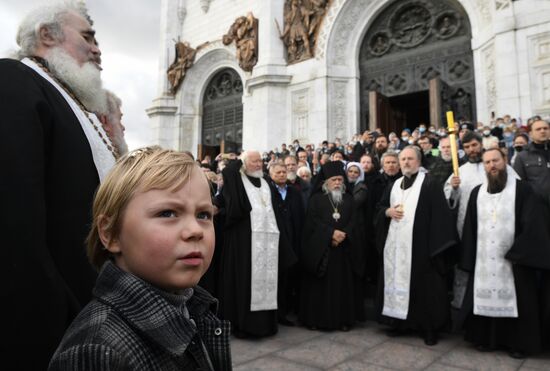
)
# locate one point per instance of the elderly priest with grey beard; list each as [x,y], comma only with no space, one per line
[416,249]
[250,253]
[504,242]
[326,293]
[54,154]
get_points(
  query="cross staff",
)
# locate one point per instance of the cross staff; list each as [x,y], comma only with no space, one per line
[452,136]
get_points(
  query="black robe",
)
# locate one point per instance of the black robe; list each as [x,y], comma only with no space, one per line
[326,294]
[290,219]
[530,251]
[46,191]
[234,286]
[434,236]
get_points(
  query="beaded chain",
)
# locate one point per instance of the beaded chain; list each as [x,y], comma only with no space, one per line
[111,148]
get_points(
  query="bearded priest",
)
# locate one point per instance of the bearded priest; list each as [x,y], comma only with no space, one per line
[419,236]
[504,242]
[326,294]
[250,253]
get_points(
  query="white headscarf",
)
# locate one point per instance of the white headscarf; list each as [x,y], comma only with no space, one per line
[361,172]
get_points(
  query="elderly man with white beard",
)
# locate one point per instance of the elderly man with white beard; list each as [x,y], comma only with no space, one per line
[326,293]
[419,234]
[54,154]
[250,254]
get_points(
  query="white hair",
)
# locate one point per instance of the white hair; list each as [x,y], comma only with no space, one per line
[303,169]
[336,194]
[50,16]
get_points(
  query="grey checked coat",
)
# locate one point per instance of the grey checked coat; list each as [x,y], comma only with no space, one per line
[130,326]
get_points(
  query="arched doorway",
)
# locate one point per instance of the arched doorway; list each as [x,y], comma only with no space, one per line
[222,120]
[415,63]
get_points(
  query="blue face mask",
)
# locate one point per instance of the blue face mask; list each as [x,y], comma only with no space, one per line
[421,130]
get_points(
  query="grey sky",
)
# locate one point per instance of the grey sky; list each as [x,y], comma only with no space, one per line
[128,34]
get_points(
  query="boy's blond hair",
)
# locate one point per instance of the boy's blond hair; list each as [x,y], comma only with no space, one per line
[139,171]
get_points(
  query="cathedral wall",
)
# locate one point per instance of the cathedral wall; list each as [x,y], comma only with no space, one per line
[318,98]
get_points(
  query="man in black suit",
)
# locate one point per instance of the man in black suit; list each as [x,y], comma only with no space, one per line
[54,153]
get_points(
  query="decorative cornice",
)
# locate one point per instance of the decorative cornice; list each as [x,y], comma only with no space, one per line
[263,80]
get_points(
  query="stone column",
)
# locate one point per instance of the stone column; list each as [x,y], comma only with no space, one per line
[164,121]
[265,107]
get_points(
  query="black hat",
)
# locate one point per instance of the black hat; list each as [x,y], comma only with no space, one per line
[333,168]
[467,125]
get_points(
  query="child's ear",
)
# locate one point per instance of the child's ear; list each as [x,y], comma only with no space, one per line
[111,244]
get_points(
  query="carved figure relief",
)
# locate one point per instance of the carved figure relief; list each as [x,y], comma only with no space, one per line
[410,25]
[446,25]
[380,44]
[302,19]
[184,59]
[244,32]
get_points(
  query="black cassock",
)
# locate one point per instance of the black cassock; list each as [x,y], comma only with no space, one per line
[235,264]
[529,253]
[326,293]
[434,239]
[289,214]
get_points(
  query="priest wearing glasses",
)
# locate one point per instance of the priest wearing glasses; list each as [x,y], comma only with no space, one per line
[416,249]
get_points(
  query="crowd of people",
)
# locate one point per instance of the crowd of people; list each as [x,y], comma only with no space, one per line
[314,232]
[112,259]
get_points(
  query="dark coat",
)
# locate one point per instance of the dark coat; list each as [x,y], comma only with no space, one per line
[533,165]
[130,325]
[46,191]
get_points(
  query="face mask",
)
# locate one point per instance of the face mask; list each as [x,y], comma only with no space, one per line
[507,135]
[421,130]
[405,139]
[486,133]
[501,126]
[518,148]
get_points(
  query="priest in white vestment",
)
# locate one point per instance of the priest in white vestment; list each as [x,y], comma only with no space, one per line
[421,233]
[504,242]
[250,253]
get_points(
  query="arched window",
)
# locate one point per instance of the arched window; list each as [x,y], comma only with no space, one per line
[222,120]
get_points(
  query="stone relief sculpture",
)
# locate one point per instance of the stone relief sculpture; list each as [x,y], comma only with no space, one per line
[184,59]
[302,19]
[244,32]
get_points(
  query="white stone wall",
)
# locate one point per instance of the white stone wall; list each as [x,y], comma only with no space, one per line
[319,98]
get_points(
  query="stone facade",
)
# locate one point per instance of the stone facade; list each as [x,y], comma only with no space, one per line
[320,98]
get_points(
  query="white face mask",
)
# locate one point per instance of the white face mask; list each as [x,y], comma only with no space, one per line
[486,132]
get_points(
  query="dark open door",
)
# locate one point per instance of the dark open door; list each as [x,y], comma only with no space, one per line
[212,151]
[440,101]
[380,112]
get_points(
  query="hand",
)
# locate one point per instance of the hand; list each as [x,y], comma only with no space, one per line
[395,212]
[338,236]
[455,182]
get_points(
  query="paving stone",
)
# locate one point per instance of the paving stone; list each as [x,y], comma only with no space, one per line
[320,352]
[541,362]
[446,342]
[436,366]
[246,350]
[364,338]
[470,358]
[274,363]
[355,365]
[400,356]
[293,335]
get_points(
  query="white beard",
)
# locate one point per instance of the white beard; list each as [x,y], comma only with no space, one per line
[336,195]
[291,176]
[85,82]
[255,174]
